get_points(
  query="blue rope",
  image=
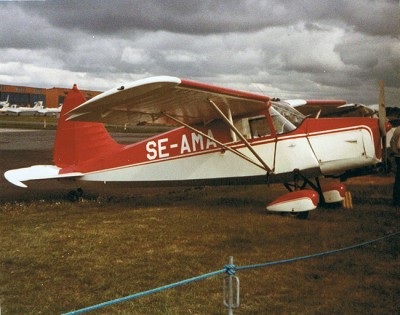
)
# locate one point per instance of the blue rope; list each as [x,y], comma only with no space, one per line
[229,269]
[330,252]
[140,294]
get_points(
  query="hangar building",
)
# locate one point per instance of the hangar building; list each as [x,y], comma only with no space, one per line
[27,96]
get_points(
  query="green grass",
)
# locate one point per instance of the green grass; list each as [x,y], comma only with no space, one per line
[57,256]
[31,122]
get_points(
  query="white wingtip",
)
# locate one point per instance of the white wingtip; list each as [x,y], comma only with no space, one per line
[296,102]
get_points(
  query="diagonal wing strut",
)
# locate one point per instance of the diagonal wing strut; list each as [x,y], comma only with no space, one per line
[238,133]
[225,147]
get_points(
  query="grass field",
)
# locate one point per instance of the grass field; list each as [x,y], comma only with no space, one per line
[57,256]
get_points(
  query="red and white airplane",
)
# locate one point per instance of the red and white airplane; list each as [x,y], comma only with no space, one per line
[223,137]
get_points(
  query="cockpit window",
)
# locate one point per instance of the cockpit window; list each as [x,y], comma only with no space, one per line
[259,127]
[285,118]
[253,127]
[288,112]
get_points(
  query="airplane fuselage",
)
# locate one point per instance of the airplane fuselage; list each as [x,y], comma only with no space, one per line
[182,156]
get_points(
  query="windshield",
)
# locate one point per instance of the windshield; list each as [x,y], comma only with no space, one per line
[284,117]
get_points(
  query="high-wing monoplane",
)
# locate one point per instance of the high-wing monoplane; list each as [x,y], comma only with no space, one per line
[222,137]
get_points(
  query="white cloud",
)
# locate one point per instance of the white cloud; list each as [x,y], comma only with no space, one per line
[181,56]
[136,56]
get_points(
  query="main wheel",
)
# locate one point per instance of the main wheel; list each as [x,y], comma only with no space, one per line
[302,215]
[75,195]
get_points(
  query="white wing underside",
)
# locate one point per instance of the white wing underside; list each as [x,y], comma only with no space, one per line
[146,101]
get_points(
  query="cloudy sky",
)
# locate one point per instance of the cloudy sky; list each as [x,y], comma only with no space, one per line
[288,49]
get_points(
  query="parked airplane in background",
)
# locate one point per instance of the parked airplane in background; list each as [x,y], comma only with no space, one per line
[224,136]
[333,108]
[50,111]
[5,108]
[15,110]
[5,103]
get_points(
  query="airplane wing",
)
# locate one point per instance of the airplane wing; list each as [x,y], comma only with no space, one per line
[13,110]
[147,100]
[358,110]
[331,108]
[20,110]
[316,108]
[45,111]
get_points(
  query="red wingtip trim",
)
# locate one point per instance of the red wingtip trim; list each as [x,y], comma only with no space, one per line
[221,90]
[326,102]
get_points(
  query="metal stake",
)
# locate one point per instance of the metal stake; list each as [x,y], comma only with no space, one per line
[233,281]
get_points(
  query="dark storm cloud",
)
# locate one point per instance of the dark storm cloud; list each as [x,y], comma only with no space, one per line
[24,30]
[372,56]
[191,17]
[376,17]
[285,48]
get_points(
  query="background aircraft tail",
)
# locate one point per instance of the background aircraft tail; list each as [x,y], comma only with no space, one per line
[79,141]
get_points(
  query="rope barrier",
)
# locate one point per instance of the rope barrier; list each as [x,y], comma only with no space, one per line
[140,294]
[230,270]
[330,252]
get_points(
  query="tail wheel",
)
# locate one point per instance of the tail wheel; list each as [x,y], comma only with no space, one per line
[75,195]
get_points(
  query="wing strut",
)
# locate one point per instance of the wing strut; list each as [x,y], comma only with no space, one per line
[243,156]
[237,132]
[233,134]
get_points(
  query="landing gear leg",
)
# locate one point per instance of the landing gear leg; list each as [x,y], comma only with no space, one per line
[300,182]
